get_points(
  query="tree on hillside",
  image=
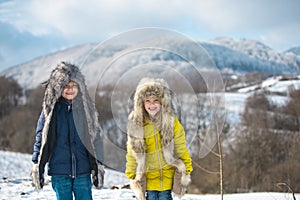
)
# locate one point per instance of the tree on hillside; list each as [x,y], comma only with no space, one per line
[256,111]
[17,129]
[34,98]
[263,155]
[10,93]
[293,108]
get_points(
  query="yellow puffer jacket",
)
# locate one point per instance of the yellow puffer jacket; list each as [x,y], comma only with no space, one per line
[159,175]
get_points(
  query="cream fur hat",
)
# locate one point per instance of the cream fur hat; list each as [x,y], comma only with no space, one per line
[151,87]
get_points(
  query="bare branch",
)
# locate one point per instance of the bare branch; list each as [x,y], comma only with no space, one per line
[205,170]
[289,188]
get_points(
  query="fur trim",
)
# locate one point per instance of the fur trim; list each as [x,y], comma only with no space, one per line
[35,177]
[185,179]
[180,183]
[138,189]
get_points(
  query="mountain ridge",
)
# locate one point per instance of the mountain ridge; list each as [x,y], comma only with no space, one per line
[236,56]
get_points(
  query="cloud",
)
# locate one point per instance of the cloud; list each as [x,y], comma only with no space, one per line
[103,18]
[70,16]
[283,37]
[93,20]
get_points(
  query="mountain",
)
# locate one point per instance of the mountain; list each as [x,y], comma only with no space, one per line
[108,62]
[286,62]
[294,50]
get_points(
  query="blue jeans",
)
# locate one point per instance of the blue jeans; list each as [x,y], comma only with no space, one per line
[158,195]
[65,187]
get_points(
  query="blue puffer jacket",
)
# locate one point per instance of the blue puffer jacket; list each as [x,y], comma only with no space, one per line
[67,154]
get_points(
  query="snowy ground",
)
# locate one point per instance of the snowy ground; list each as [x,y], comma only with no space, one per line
[15,183]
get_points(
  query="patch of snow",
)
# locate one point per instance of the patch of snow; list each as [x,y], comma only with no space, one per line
[15,183]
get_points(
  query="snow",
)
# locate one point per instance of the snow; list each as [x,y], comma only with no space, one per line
[234,104]
[15,183]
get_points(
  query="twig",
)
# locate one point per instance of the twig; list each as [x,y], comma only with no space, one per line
[289,187]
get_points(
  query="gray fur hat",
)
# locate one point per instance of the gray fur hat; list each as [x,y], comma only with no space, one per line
[59,78]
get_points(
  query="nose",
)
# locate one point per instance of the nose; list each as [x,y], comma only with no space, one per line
[152,103]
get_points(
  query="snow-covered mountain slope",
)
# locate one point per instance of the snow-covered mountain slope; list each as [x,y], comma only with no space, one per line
[294,50]
[277,89]
[262,53]
[118,59]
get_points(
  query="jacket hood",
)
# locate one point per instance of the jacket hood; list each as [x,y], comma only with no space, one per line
[151,87]
[59,78]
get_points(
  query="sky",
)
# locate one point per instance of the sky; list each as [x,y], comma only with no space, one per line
[33,28]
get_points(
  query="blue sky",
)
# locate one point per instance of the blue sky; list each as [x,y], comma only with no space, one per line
[31,28]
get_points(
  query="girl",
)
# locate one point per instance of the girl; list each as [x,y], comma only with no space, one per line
[158,160]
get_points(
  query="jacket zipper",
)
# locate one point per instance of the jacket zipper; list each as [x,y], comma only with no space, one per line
[158,155]
[73,166]
[73,162]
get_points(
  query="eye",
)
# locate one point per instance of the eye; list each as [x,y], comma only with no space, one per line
[156,101]
[69,86]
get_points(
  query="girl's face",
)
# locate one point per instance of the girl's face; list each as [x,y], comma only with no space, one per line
[70,91]
[152,106]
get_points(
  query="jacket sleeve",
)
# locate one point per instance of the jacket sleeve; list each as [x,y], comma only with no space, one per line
[130,164]
[181,149]
[38,138]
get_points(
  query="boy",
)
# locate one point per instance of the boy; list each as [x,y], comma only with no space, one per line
[158,160]
[67,136]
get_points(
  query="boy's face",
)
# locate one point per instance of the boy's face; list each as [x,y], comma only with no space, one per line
[152,105]
[70,91]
